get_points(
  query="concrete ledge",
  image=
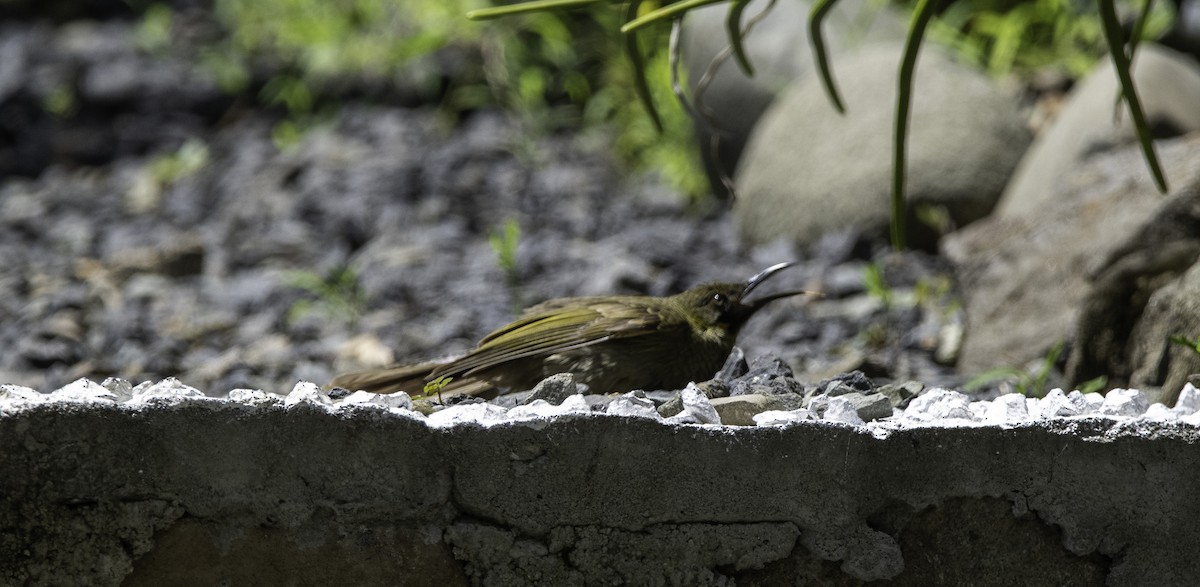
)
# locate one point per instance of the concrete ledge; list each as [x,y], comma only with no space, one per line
[204,492]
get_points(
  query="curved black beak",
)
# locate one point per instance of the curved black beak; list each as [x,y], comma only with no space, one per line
[762,276]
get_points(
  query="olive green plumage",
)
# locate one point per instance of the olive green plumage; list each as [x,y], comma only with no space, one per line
[610,343]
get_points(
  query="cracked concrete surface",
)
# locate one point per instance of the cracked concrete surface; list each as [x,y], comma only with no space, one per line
[213,492]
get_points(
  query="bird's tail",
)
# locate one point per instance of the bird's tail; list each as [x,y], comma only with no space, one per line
[411,379]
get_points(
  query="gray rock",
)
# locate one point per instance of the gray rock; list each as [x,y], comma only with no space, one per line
[852,382]
[868,406]
[780,52]
[1165,247]
[807,171]
[1173,310]
[1168,84]
[735,366]
[740,410]
[767,374]
[675,404]
[1024,277]
[899,394]
[553,389]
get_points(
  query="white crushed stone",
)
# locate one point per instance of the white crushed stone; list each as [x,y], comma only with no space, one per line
[696,408]
[634,406]
[936,407]
[473,413]
[307,392]
[842,410]
[782,417]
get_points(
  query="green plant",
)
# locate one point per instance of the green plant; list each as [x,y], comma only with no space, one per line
[556,70]
[189,158]
[436,386]
[61,101]
[937,292]
[876,286]
[1003,36]
[1093,385]
[154,32]
[1120,49]
[504,242]
[335,295]
[1183,341]
[1032,384]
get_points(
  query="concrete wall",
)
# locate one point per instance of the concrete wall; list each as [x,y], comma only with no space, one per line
[198,491]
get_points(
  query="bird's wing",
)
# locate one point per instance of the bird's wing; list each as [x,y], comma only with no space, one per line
[560,325]
[410,379]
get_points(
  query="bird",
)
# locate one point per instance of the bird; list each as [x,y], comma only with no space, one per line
[612,344]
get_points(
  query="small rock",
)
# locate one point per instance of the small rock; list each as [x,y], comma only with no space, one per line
[553,389]
[1056,404]
[1010,407]
[509,401]
[740,410]
[782,417]
[1124,402]
[899,394]
[869,406]
[854,381]
[169,388]
[938,404]
[735,366]
[1160,413]
[122,389]
[20,392]
[714,388]
[697,409]
[388,400]
[539,408]
[83,390]
[842,410]
[307,392]
[481,413]
[767,374]
[674,405]
[253,397]
[630,404]
[1189,400]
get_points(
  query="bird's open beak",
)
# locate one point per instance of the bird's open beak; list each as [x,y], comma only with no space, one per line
[762,276]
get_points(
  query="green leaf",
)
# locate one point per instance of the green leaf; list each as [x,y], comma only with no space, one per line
[820,52]
[523,7]
[1116,48]
[908,63]
[665,13]
[733,26]
[634,53]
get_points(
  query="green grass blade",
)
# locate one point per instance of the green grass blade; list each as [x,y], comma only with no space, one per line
[667,12]
[633,51]
[733,24]
[820,53]
[1139,29]
[912,45]
[1116,48]
[523,7]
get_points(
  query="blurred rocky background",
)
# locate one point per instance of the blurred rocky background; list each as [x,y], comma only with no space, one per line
[245,194]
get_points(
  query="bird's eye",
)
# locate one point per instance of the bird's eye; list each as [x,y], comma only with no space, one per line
[720,300]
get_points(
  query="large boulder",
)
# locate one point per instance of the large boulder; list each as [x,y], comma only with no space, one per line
[1146,293]
[808,170]
[1168,85]
[780,51]
[1028,278]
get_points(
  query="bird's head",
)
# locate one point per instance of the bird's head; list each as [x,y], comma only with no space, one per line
[719,310]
